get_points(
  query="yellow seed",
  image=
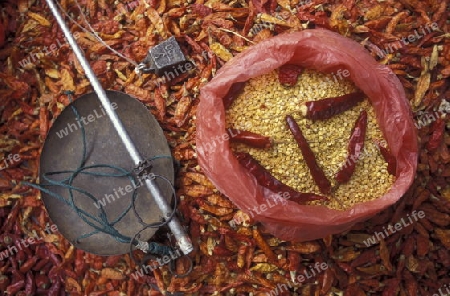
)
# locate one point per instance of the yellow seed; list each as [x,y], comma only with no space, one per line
[328,139]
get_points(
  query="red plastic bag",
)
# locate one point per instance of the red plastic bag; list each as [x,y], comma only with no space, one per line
[326,52]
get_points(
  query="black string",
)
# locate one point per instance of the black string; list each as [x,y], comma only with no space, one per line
[100,222]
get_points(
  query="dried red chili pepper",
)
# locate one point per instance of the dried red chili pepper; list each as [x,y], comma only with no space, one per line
[16,227]
[7,239]
[47,267]
[327,281]
[80,263]
[249,138]
[55,260]
[28,250]
[53,250]
[42,281]
[392,286]
[264,246]
[234,91]
[195,46]
[391,161]
[12,217]
[55,274]
[369,256]
[294,260]
[222,251]
[288,74]
[3,267]
[42,252]
[55,288]
[268,181]
[4,212]
[317,173]
[200,10]
[411,285]
[196,216]
[329,107]
[241,255]
[21,256]
[112,260]
[437,129]
[43,122]
[16,286]
[69,273]
[40,264]
[236,236]
[14,263]
[28,264]
[4,282]
[3,33]
[29,284]
[131,288]
[354,148]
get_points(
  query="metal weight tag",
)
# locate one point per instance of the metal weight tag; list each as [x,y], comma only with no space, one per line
[163,57]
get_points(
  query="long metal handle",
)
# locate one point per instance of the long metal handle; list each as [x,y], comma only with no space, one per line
[181,237]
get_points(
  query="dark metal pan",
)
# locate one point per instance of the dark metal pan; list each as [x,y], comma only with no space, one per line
[63,150]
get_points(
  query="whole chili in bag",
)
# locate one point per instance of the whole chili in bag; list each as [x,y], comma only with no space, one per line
[324,51]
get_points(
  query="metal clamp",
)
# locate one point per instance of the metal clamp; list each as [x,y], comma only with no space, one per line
[143,246]
[142,170]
